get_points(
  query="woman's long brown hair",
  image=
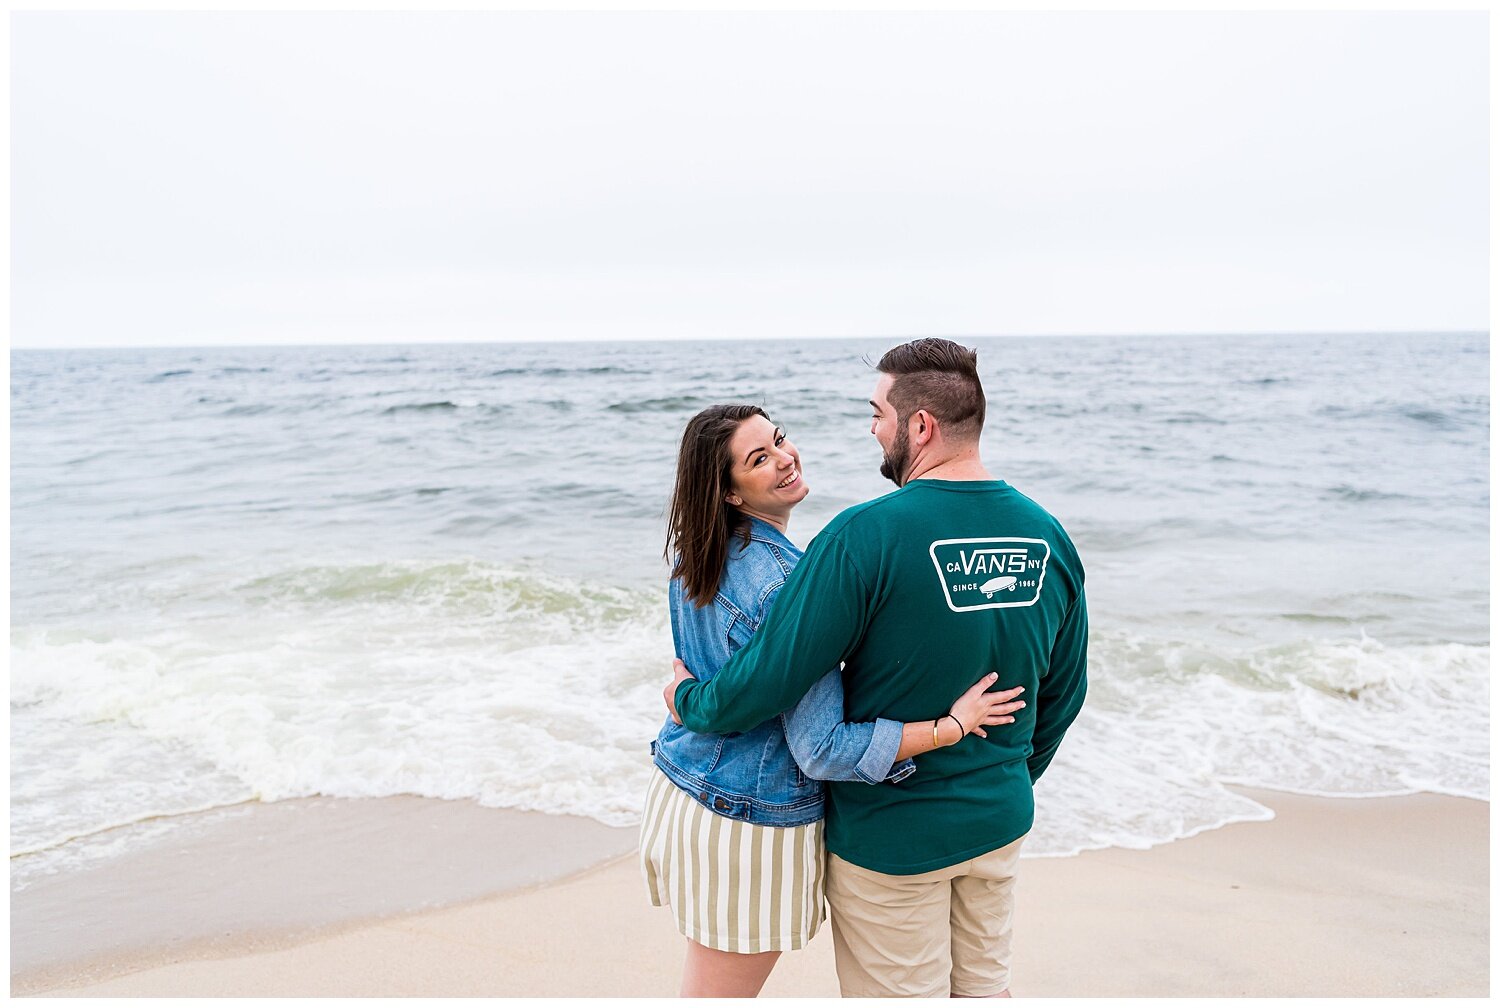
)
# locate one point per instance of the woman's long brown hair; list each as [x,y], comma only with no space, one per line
[700,521]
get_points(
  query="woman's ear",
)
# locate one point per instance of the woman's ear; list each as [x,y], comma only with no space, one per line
[733,500]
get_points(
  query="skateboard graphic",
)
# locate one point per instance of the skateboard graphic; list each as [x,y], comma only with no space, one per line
[998,584]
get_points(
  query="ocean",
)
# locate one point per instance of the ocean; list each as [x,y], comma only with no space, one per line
[273,572]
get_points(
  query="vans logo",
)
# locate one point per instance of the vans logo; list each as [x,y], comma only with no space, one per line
[990,573]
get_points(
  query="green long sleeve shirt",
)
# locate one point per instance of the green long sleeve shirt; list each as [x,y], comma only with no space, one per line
[920,593]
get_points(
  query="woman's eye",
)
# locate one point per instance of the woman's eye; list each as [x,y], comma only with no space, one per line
[759,459]
[780,438]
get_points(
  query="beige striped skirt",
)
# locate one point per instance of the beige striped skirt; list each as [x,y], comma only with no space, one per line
[733,886]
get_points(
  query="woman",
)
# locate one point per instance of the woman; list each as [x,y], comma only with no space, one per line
[732,837]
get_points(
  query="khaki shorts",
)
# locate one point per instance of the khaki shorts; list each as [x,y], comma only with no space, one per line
[931,935]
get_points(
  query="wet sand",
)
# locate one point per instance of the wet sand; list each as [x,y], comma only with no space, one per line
[263,876]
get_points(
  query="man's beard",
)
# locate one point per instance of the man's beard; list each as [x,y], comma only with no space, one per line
[893,465]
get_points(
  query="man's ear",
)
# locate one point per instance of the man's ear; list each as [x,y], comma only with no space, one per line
[924,430]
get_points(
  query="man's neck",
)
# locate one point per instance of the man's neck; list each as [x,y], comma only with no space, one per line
[959,468]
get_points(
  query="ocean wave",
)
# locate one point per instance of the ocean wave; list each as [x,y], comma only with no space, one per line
[1168,724]
[1469,411]
[525,689]
[469,587]
[1430,418]
[666,404]
[1354,622]
[1360,495]
[1194,418]
[511,687]
[441,406]
[562,372]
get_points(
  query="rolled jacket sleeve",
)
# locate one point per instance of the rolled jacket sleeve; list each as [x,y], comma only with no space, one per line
[827,747]
[879,762]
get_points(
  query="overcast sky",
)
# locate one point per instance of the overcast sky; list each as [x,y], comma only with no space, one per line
[219,178]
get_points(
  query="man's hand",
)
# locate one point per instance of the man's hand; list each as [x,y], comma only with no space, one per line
[680,671]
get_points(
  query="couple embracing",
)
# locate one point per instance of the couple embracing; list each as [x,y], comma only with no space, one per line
[924,658]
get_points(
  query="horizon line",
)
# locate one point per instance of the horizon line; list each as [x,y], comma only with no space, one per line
[904,337]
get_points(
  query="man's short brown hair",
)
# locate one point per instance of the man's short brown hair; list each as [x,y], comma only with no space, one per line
[938,376]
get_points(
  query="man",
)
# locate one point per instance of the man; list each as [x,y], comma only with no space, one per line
[918,593]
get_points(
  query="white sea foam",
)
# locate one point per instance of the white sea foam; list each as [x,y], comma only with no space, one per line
[449,681]
[521,689]
[1169,723]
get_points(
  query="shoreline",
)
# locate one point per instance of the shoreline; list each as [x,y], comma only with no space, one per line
[1319,900]
[217,884]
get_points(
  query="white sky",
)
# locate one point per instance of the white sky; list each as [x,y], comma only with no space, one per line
[217,178]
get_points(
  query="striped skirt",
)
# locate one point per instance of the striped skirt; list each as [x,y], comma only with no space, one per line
[732,886]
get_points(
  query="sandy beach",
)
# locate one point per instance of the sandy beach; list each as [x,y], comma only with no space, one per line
[1332,897]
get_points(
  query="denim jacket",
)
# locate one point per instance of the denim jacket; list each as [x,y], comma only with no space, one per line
[770,775]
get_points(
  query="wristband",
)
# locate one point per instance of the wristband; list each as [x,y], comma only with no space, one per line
[962,731]
[935,743]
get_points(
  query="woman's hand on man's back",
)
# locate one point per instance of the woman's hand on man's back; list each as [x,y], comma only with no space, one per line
[680,671]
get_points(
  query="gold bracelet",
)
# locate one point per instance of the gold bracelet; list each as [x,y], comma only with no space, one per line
[935,724]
